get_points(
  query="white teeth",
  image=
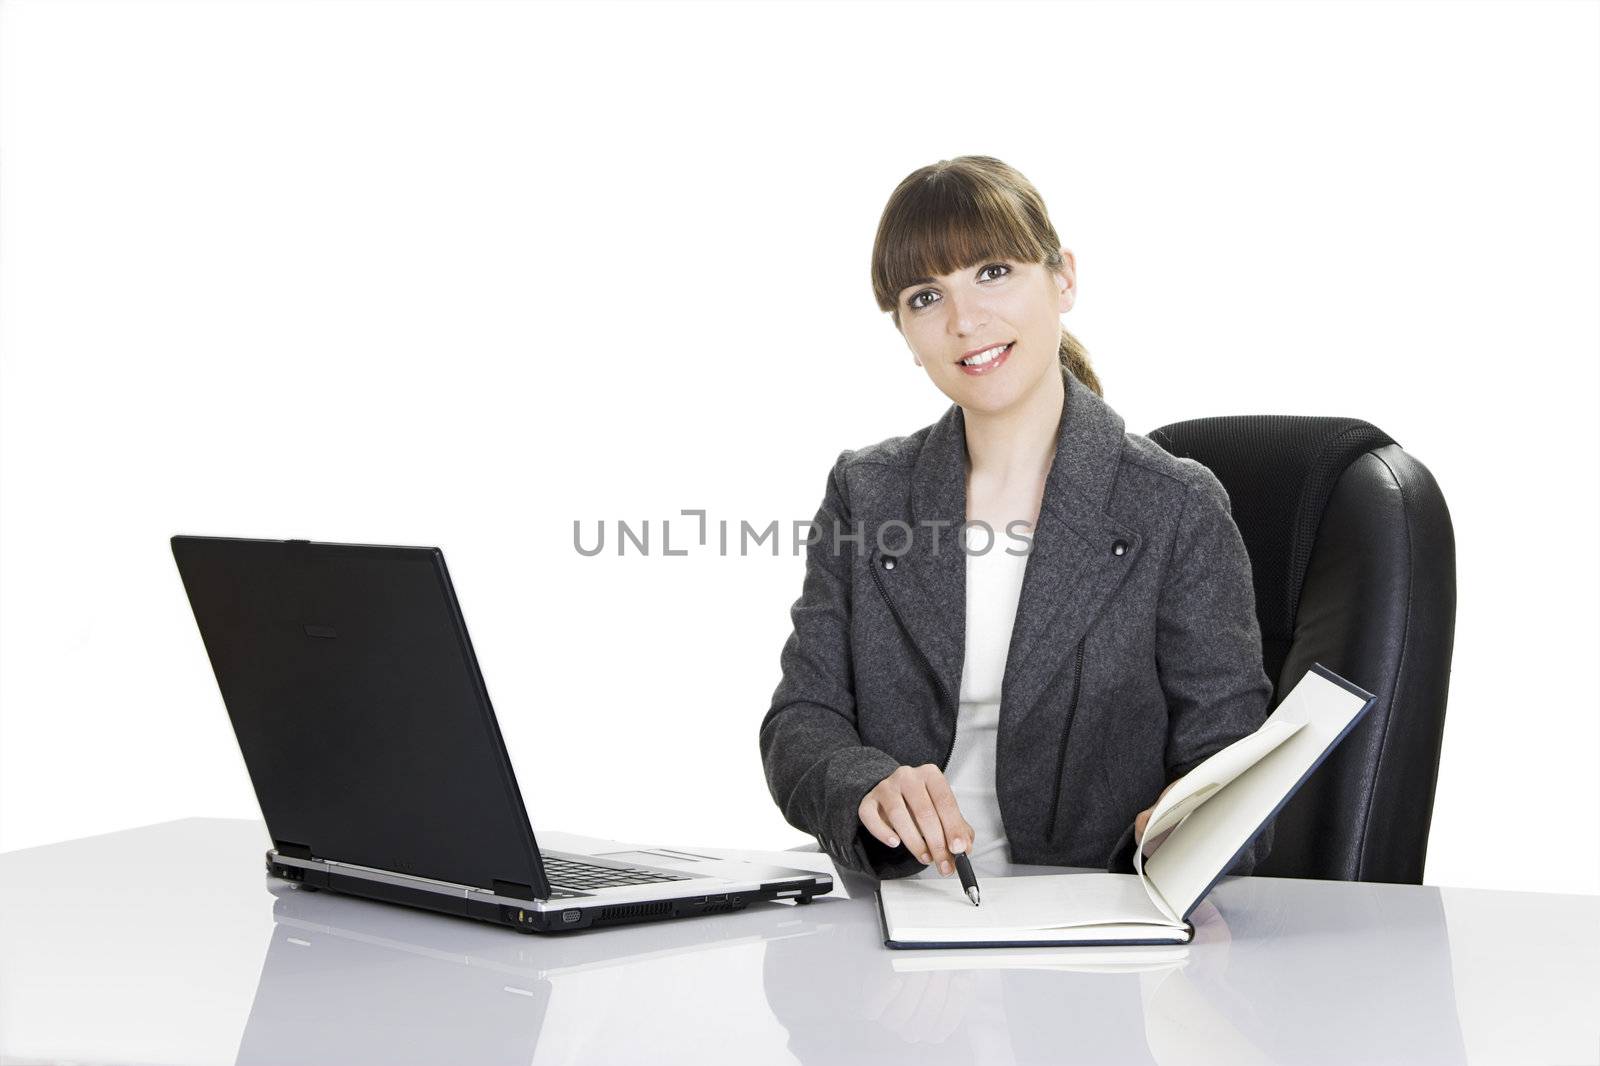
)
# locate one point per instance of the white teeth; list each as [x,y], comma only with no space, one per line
[988,355]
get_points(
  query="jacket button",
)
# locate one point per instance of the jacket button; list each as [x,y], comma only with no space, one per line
[1119,547]
[888,563]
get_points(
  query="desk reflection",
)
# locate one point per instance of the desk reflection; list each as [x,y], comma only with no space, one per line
[351,980]
[348,980]
[1253,988]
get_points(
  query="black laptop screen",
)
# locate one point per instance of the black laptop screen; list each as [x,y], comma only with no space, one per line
[359,707]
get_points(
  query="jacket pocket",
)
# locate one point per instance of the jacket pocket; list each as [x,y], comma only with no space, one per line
[1066,735]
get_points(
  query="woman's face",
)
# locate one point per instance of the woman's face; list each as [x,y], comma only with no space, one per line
[996,302]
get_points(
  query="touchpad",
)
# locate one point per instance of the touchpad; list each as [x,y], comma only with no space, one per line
[711,865]
[656,858]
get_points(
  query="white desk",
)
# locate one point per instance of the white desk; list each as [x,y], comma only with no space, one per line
[164,944]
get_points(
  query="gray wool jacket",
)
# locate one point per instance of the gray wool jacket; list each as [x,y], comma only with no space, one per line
[1135,653]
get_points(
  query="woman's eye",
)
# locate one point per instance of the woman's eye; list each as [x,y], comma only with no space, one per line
[915,306]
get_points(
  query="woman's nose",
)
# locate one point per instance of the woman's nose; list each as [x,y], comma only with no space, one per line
[969,317]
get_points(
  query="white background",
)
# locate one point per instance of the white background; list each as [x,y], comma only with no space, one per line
[461,274]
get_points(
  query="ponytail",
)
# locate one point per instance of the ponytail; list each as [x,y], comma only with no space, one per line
[1075,361]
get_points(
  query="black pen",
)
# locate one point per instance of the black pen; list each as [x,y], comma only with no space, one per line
[968,881]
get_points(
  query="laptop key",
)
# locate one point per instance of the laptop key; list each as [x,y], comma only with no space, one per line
[589,875]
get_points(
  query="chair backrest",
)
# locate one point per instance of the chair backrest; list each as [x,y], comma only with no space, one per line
[1353,556]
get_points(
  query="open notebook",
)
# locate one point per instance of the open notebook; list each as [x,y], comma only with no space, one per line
[1213,813]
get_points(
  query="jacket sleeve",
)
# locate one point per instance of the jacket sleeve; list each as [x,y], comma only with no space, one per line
[816,766]
[1208,648]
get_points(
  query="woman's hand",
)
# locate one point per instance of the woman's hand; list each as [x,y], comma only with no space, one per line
[915,805]
[1142,819]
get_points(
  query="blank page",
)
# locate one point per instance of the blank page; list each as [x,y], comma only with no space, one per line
[937,909]
[1191,859]
[1206,780]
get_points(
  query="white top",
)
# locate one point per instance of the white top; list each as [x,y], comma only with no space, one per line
[994,586]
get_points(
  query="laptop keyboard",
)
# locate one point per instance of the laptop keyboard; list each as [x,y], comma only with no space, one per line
[571,874]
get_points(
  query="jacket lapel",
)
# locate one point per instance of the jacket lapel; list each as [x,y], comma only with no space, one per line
[1071,572]
[1074,567]
[927,585]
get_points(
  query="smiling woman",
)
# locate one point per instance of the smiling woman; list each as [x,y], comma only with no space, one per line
[958,214]
[1124,641]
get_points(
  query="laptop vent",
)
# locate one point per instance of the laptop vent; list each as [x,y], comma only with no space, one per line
[635,910]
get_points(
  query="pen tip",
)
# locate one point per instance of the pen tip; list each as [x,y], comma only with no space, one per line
[972,894]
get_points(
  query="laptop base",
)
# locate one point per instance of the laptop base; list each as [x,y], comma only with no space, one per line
[524,915]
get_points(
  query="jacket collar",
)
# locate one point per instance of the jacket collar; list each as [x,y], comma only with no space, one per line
[1088,447]
[1071,571]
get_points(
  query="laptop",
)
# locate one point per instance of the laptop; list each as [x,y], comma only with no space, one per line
[375,755]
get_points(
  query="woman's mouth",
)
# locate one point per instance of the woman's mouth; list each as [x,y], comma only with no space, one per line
[986,361]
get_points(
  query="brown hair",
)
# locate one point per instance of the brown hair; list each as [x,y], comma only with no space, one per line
[948,216]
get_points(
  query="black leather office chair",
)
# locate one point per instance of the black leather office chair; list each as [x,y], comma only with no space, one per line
[1353,555]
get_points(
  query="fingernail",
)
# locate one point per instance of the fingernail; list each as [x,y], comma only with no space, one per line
[945,867]
[924,856]
[894,842]
[958,844]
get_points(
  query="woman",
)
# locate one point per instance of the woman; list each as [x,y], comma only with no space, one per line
[1025,544]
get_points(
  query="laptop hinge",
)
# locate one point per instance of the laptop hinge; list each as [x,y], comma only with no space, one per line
[290,848]
[514,889]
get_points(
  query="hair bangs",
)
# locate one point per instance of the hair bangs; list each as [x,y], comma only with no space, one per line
[945,223]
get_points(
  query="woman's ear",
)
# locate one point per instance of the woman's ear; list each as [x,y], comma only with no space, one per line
[1066,278]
